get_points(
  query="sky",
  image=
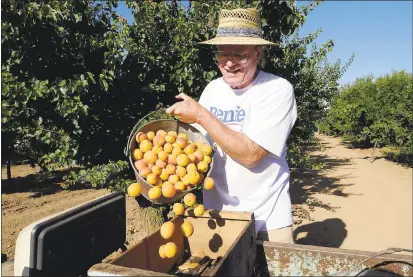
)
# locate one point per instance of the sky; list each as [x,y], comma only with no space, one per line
[379,33]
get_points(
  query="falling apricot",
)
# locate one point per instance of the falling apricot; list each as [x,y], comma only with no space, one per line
[187,229]
[167,230]
[162,251]
[134,190]
[199,210]
[178,209]
[170,249]
[190,199]
[209,183]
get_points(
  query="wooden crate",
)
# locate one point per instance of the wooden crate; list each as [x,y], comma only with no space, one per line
[223,244]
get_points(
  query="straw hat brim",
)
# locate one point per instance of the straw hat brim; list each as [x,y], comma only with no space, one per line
[238,41]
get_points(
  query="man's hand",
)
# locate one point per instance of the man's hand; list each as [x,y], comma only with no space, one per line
[187,111]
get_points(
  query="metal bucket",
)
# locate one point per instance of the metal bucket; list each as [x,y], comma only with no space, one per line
[168,125]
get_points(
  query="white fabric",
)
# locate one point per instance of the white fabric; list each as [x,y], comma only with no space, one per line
[266,113]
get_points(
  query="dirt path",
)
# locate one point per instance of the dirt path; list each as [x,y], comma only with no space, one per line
[355,204]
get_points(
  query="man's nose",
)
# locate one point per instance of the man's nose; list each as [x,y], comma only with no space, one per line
[229,62]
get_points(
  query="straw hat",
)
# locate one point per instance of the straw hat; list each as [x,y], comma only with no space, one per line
[239,26]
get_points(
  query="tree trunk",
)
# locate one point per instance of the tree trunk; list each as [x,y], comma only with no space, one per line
[8,169]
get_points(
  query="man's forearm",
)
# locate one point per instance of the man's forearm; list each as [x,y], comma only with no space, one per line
[237,145]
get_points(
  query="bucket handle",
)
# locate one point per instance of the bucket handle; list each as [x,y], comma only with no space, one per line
[127,148]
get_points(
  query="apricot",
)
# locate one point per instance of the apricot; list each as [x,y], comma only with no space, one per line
[190,199]
[172,159]
[163,156]
[182,160]
[159,140]
[185,180]
[168,190]
[170,139]
[140,164]
[150,135]
[199,155]
[209,183]
[137,154]
[179,186]
[207,159]
[144,172]
[150,166]
[176,151]
[189,149]
[141,136]
[181,142]
[180,171]
[160,163]
[164,175]
[168,148]
[152,178]
[173,179]
[134,190]
[167,230]
[156,170]
[170,249]
[159,182]
[145,146]
[183,135]
[192,158]
[178,209]
[199,210]
[154,193]
[194,177]
[150,157]
[172,133]
[202,166]
[187,229]
[170,168]
[161,132]
[162,251]
[157,149]
[191,167]
[206,149]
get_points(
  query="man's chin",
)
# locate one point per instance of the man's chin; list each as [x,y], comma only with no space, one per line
[231,82]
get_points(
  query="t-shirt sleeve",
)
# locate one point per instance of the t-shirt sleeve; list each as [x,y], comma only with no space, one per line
[272,118]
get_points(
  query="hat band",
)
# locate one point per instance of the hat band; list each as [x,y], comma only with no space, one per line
[238,32]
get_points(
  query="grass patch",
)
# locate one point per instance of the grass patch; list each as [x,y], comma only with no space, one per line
[403,155]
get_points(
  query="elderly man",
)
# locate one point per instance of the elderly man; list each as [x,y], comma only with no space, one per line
[248,114]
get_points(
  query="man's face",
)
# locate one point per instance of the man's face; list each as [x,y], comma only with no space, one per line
[237,63]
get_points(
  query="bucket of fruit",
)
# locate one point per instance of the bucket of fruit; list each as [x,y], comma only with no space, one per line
[170,158]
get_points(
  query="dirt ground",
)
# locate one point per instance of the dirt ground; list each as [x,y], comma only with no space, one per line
[351,203]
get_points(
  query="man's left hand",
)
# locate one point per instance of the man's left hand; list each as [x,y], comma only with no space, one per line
[187,111]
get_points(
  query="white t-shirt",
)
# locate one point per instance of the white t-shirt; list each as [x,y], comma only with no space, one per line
[266,113]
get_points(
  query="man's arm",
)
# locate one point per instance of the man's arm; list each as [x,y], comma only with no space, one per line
[237,145]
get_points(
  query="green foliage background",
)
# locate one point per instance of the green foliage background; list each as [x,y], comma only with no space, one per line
[375,112]
[76,77]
